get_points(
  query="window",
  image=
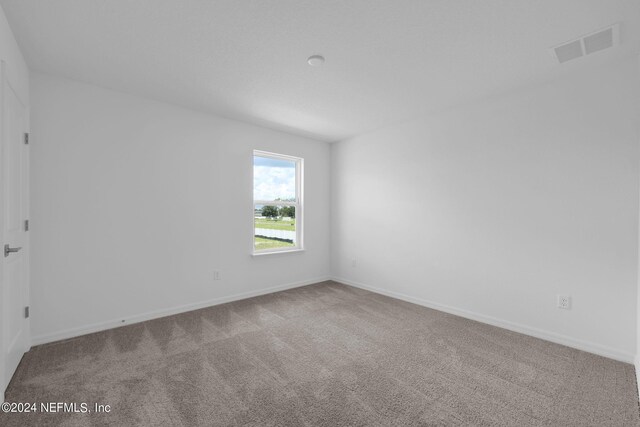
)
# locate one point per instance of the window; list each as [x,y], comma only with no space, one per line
[277,203]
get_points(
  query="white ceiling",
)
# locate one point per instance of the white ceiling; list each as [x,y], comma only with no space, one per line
[386,60]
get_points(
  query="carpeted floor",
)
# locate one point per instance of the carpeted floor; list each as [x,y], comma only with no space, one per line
[322,355]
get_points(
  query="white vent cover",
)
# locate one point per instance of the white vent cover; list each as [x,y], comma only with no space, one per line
[587,44]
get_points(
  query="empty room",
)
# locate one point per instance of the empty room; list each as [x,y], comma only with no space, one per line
[320,212]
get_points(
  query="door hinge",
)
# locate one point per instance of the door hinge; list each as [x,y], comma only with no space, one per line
[26,312]
[26,225]
[26,137]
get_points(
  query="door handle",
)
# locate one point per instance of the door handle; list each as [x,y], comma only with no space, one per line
[8,249]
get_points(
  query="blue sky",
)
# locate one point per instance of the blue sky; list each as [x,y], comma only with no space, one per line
[273,179]
[266,161]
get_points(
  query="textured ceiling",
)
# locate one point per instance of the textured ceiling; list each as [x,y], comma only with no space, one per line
[386,61]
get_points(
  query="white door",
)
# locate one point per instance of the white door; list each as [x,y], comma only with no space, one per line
[15,203]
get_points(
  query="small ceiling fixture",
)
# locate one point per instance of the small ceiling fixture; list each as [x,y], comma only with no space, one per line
[315,60]
[587,44]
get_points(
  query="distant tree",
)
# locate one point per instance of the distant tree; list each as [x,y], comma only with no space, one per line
[289,211]
[270,211]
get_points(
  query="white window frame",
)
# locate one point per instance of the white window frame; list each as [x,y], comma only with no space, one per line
[298,204]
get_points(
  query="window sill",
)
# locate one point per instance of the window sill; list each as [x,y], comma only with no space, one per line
[288,251]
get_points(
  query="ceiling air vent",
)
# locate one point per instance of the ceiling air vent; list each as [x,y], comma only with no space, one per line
[587,44]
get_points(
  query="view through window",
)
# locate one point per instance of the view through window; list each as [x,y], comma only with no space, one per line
[277,204]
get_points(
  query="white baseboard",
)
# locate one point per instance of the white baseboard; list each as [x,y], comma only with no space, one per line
[110,324]
[637,364]
[589,347]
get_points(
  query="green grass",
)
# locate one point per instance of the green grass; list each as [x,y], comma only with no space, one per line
[271,224]
[262,243]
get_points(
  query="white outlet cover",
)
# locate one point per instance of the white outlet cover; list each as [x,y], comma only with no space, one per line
[564,302]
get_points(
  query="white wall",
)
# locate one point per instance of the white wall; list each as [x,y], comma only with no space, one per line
[135,203]
[637,359]
[493,209]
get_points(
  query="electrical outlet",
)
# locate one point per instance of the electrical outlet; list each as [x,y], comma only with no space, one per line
[354,262]
[564,302]
[216,275]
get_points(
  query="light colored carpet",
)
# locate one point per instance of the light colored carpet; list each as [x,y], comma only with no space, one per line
[322,355]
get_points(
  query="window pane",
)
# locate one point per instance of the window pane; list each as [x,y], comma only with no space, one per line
[274,179]
[275,227]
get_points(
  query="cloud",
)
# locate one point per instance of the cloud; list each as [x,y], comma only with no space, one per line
[270,183]
[268,161]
